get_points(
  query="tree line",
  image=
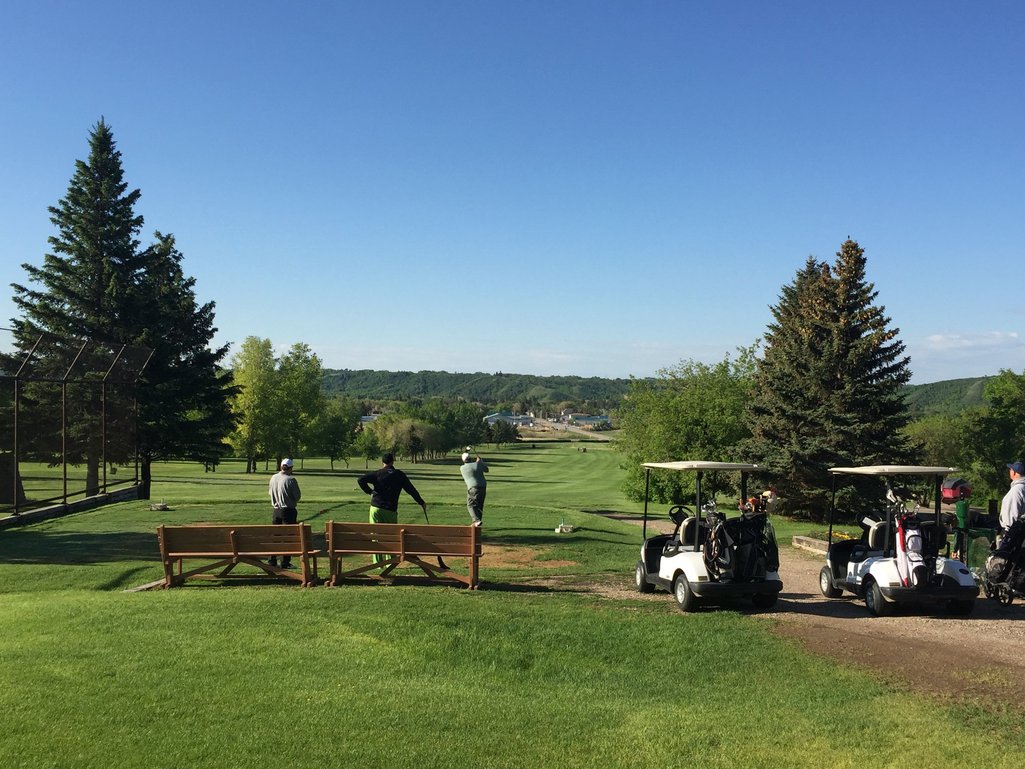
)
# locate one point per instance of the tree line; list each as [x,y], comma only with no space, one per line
[825,386]
[281,409]
[519,393]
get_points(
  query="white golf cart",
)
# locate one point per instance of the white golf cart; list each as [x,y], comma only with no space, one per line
[903,556]
[710,558]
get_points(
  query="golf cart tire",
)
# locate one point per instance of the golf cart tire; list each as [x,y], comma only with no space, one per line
[826,586]
[960,608]
[764,600]
[875,602]
[685,600]
[641,579]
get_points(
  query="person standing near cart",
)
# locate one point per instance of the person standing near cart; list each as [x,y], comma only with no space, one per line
[1012,507]
[476,486]
[284,498]
[384,486]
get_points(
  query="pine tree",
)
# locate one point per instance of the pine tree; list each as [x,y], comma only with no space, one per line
[84,285]
[184,392]
[827,390]
[97,285]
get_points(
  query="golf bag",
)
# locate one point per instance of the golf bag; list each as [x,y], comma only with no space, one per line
[718,548]
[910,556]
[1006,564]
[741,548]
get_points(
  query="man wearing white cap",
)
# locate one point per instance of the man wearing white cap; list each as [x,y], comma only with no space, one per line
[1012,506]
[284,496]
[476,486]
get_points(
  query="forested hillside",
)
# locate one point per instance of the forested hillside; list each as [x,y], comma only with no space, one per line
[951,396]
[948,397]
[496,388]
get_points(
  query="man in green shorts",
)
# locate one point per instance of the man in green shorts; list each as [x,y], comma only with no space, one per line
[384,487]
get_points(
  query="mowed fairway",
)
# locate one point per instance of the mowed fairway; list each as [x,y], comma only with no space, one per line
[513,675]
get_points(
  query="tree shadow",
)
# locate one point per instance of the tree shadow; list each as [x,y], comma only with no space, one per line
[68,548]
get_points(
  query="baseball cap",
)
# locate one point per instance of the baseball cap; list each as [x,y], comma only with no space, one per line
[1018,467]
[466,456]
[286,462]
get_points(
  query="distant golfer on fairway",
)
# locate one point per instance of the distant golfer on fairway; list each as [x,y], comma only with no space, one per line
[384,487]
[476,486]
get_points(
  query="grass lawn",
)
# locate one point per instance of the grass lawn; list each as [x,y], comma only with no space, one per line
[512,675]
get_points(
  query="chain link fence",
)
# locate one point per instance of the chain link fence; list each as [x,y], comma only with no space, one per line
[68,419]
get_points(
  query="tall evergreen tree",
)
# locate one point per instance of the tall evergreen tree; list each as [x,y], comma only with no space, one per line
[827,389]
[97,284]
[184,392]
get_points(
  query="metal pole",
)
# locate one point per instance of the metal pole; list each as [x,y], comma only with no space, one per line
[14,475]
[647,485]
[17,408]
[832,507]
[697,509]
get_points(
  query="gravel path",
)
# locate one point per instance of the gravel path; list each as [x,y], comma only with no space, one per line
[980,657]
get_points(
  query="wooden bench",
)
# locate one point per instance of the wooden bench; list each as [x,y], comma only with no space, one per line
[230,546]
[399,543]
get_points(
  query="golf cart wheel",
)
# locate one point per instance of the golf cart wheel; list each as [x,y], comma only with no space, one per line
[684,596]
[764,600]
[641,579]
[961,608]
[875,602]
[1004,596]
[826,586]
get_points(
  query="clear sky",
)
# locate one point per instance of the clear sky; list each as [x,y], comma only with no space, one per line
[590,188]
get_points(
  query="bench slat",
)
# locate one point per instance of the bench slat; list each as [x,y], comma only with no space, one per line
[411,543]
[232,545]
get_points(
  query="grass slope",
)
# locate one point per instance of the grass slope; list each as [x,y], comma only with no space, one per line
[513,675]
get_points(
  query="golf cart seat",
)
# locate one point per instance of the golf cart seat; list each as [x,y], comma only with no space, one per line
[935,536]
[876,535]
[687,531]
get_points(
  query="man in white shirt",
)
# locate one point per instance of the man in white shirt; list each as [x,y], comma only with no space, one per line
[1012,507]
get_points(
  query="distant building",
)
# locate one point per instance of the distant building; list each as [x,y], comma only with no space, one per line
[590,422]
[519,420]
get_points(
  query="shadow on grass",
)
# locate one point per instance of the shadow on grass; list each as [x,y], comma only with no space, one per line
[515,587]
[39,547]
[547,537]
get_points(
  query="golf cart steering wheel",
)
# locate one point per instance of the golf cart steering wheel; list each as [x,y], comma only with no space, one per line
[679,513]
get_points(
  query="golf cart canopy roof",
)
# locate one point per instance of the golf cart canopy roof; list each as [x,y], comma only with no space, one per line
[688,465]
[894,470]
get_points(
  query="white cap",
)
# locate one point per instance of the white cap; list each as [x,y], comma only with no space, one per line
[466,456]
[286,462]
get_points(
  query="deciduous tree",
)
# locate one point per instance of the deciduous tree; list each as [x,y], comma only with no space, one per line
[690,411]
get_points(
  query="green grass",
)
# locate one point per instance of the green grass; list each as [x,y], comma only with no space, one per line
[513,675]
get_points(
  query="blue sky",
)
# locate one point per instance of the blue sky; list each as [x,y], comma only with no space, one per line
[591,188]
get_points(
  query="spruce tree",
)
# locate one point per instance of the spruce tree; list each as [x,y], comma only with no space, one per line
[827,389]
[184,409]
[98,285]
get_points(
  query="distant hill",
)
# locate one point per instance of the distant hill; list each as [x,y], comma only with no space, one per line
[948,397]
[483,388]
[951,396]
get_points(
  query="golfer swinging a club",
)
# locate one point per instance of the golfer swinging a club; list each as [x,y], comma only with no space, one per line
[384,486]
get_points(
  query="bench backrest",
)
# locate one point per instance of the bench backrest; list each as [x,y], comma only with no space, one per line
[413,539]
[201,540]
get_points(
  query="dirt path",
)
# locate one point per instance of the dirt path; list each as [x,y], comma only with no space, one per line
[980,657]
